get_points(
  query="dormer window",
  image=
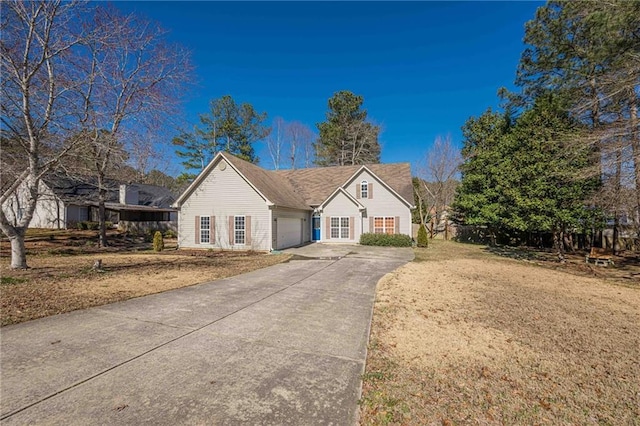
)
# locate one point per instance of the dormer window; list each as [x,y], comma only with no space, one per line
[364,189]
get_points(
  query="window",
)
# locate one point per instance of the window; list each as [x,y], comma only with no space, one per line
[340,227]
[364,189]
[239,229]
[205,229]
[384,225]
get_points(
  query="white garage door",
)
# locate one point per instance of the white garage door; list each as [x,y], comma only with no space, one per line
[289,232]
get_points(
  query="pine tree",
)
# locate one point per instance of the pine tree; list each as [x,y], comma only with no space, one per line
[346,138]
[228,127]
[588,53]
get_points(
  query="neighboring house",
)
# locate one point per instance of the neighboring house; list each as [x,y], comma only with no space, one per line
[234,204]
[64,201]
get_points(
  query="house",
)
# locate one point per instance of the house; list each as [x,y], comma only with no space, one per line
[233,204]
[63,201]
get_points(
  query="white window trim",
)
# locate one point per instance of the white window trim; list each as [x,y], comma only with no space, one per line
[364,189]
[384,224]
[236,230]
[340,228]
[202,229]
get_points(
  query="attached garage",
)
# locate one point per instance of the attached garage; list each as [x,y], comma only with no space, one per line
[289,232]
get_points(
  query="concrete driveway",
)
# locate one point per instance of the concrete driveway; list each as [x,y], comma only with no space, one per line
[282,345]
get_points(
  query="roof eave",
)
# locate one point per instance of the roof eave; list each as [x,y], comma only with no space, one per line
[349,196]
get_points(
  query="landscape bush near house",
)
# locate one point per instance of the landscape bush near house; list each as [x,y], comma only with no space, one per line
[158,241]
[170,233]
[388,240]
[92,226]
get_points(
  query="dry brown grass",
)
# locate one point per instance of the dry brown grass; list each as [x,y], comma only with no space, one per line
[61,279]
[461,336]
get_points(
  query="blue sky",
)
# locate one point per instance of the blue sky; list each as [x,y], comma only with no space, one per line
[422,67]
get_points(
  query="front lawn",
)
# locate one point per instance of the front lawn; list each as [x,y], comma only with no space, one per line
[61,277]
[464,336]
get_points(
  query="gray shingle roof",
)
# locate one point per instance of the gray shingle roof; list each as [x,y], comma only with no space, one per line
[277,189]
[84,190]
[316,184]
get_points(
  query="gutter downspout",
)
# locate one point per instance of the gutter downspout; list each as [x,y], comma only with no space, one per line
[271,229]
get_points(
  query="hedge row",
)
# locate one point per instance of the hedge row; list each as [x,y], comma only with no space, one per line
[389,240]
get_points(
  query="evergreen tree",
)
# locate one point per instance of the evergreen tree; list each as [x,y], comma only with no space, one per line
[519,178]
[423,239]
[588,53]
[478,199]
[196,153]
[546,185]
[346,138]
[228,127]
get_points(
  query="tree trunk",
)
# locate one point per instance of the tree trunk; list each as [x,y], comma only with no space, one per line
[18,250]
[559,244]
[568,242]
[618,187]
[595,123]
[492,238]
[16,231]
[446,229]
[616,237]
[635,147]
[102,224]
[102,213]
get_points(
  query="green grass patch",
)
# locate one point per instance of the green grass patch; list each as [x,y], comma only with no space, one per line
[11,280]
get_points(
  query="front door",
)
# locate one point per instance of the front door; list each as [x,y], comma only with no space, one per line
[315,223]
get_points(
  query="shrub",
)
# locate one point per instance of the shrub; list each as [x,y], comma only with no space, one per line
[169,233]
[149,234]
[92,226]
[158,241]
[423,238]
[108,225]
[389,240]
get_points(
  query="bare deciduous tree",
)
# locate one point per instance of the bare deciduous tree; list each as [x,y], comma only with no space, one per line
[133,79]
[290,144]
[77,75]
[438,178]
[276,141]
[38,38]
[300,145]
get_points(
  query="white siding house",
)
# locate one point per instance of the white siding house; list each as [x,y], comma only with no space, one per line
[50,211]
[380,202]
[233,204]
[222,196]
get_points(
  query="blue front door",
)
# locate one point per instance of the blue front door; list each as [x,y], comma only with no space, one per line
[315,222]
